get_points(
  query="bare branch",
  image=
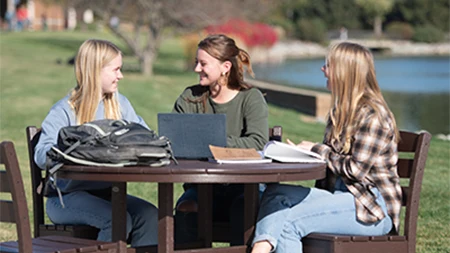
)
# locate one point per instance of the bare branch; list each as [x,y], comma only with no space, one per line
[151,17]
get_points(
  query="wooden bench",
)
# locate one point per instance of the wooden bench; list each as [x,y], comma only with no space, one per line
[15,210]
[37,179]
[411,171]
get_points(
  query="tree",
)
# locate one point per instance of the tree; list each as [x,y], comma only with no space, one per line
[343,13]
[423,12]
[376,10]
[150,18]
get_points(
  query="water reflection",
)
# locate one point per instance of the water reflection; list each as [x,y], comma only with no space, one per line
[419,111]
[417,89]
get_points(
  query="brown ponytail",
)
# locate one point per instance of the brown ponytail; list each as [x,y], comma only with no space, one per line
[224,49]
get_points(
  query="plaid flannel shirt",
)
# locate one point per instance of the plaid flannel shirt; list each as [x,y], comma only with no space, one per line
[371,162]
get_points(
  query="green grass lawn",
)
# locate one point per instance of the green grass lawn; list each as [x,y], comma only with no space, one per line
[31,81]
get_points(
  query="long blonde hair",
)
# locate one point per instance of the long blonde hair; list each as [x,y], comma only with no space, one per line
[353,85]
[92,56]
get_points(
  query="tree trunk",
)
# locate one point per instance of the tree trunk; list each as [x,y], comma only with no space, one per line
[10,15]
[147,64]
[377,26]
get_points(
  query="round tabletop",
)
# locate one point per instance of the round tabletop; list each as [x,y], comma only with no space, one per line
[195,171]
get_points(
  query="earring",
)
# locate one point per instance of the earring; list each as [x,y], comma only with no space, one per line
[223,80]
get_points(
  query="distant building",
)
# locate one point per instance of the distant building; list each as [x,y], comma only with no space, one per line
[41,16]
[51,16]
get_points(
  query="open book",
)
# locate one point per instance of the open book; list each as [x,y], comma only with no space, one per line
[236,155]
[286,153]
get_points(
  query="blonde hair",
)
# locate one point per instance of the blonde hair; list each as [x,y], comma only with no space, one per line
[353,85]
[92,56]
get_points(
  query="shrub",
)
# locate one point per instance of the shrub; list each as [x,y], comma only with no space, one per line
[287,25]
[252,34]
[400,30]
[246,35]
[190,42]
[314,30]
[428,34]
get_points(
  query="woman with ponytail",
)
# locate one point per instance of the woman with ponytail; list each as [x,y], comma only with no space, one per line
[220,65]
[363,194]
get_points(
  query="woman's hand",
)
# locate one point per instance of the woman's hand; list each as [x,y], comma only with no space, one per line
[307,145]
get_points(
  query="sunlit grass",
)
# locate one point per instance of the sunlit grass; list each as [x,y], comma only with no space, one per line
[31,81]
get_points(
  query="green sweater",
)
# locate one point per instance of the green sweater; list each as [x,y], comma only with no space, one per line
[247,115]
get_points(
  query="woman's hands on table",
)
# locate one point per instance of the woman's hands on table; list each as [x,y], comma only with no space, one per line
[307,145]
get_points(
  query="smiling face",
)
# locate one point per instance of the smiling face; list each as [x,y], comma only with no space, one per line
[209,69]
[111,74]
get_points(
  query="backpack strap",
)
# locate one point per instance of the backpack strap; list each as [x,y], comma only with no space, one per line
[50,174]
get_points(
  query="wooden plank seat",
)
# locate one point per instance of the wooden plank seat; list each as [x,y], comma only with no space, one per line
[410,169]
[63,244]
[15,210]
[37,179]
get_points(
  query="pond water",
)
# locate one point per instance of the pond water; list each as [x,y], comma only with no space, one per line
[417,89]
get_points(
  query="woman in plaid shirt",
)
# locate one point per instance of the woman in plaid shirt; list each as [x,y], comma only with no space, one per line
[363,195]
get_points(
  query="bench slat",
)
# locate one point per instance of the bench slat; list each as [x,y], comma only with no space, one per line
[405,167]
[408,141]
[360,238]
[7,211]
[397,238]
[4,182]
[332,237]
[381,238]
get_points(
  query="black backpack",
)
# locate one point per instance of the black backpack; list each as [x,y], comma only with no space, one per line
[115,143]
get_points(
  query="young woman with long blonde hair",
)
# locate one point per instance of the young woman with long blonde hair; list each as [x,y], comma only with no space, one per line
[98,71]
[363,195]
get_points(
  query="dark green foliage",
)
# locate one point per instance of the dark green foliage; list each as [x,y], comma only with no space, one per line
[400,30]
[306,9]
[311,30]
[428,34]
[343,13]
[286,24]
[422,12]
[346,13]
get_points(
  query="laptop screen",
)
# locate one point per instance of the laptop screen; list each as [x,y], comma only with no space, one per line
[191,134]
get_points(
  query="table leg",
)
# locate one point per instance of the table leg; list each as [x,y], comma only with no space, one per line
[251,206]
[119,211]
[204,219]
[165,215]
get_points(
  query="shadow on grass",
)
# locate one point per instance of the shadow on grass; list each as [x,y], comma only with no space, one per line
[63,43]
[69,44]
[162,64]
[157,70]
[169,55]
[134,68]
[169,71]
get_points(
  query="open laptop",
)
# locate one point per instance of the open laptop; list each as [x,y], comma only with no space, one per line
[191,134]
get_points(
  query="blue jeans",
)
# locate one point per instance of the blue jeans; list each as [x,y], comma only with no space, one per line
[289,213]
[84,208]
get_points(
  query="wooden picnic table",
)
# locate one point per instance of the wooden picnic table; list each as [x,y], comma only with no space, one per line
[192,171]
